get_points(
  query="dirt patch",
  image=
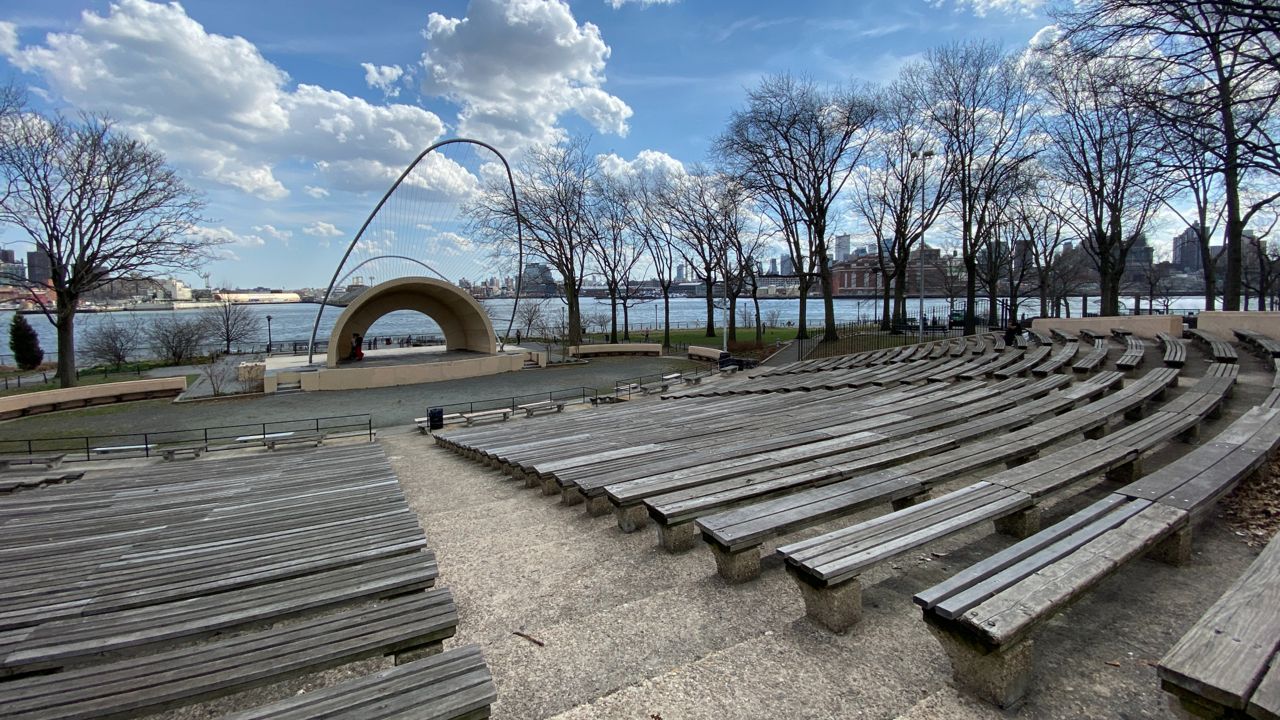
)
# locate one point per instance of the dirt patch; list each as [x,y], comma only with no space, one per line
[1252,510]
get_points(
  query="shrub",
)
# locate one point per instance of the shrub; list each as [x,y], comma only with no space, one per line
[24,343]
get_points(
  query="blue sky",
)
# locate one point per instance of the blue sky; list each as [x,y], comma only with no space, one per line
[293,117]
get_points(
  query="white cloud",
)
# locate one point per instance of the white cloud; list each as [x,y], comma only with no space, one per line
[383,77]
[223,235]
[516,67]
[616,4]
[317,192]
[213,103]
[646,162]
[320,228]
[273,232]
[982,7]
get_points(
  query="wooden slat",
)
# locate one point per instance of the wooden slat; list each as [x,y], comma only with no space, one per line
[1224,656]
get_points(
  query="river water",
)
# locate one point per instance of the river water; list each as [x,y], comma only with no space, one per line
[292,323]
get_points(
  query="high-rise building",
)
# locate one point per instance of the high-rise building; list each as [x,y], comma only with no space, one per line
[773,266]
[7,256]
[39,269]
[788,267]
[1186,251]
[680,276]
[841,247]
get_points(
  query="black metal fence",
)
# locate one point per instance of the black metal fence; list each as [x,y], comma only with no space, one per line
[86,447]
[864,336]
[625,387]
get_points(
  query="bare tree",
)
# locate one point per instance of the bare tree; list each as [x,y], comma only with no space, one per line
[110,342]
[896,196]
[798,144]
[553,182]
[231,323]
[98,205]
[527,314]
[177,339]
[1211,76]
[650,221]
[693,205]
[979,102]
[1104,149]
[613,247]
[1038,216]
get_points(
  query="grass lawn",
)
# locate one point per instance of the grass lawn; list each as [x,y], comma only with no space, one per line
[84,380]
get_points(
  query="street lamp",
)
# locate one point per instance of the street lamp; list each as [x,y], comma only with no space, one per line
[268,334]
[924,156]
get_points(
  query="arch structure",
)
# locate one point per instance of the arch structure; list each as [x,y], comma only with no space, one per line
[439,301]
[461,318]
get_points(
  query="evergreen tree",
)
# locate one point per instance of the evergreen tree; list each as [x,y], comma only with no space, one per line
[24,343]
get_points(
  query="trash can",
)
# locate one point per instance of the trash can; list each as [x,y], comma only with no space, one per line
[436,418]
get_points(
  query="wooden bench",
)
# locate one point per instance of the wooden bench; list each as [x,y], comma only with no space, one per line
[1058,360]
[500,414]
[315,439]
[660,385]
[1220,349]
[452,685]
[1133,355]
[1175,350]
[1121,333]
[14,483]
[406,625]
[49,460]
[1092,334]
[706,354]
[692,379]
[984,616]
[1228,664]
[584,351]
[532,409]
[1024,366]
[1039,337]
[1267,346]
[169,452]
[1060,335]
[108,450]
[1094,359]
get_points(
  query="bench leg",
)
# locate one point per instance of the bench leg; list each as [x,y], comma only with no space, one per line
[1097,432]
[1000,677]
[678,538]
[836,608]
[737,567]
[599,505]
[571,496]
[912,500]
[1138,412]
[1174,550]
[631,517]
[1021,459]
[408,655]
[1022,524]
[1127,473]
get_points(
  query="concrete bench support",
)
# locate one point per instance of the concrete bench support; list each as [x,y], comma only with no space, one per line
[631,517]
[737,567]
[678,538]
[1000,677]
[836,608]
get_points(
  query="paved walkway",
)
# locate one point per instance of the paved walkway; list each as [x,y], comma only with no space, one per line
[392,408]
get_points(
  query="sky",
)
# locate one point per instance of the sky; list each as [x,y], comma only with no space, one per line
[293,118]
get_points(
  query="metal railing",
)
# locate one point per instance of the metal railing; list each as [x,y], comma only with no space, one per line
[862,337]
[216,437]
[580,394]
[625,387]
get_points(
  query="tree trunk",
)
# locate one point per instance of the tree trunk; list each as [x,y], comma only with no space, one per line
[573,334]
[802,332]
[755,304]
[711,306]
[829,333]
[626,322]
[970,296]
[613,315]
[666,317]
[66,314]
[886,322]
[731,325]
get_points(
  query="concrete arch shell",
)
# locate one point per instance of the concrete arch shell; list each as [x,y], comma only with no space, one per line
[464,322]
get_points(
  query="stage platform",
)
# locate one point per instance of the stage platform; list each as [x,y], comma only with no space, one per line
[391,366]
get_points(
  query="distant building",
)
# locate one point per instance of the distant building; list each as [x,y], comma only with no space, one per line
[7,257]
[1139,260]
[788,267]
[680,273]
[773,266]
[39,269]
[12,273]
[1186,251]
[841,247]
[538,281]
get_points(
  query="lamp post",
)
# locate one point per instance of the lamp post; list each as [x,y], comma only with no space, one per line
[268,334]
[924,156]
